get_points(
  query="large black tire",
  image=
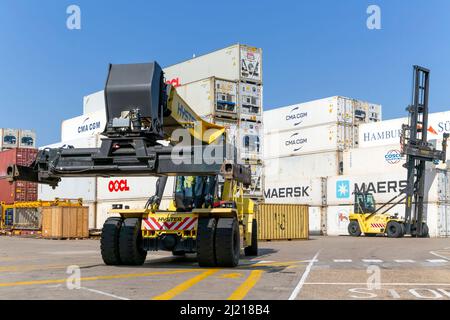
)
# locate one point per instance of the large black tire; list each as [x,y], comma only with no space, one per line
[252,250]
[425,231]
[206,231]
[130,243]
[394,229]
[109,242]
[353,228]
[227,242]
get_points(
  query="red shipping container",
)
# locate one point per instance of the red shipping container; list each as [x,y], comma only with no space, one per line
[19,190]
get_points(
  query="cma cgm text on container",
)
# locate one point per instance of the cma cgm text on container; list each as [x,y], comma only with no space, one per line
[318,112]
[323,138]
[83,126]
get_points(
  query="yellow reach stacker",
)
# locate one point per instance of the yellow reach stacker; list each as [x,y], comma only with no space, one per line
[209,215]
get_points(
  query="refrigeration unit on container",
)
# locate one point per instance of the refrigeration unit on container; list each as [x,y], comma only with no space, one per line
[20,190]
[318,112]
[94,102]
[382,159]
[250,100]
[250,141]
[317,165]
[83,126]
[309,191]
[211,96]
[9,138]
[318,139]
[27,139]
[234,63]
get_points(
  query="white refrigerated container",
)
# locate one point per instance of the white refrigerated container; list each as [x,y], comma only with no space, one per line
[318,112]
[382,159]
[388,132]
[385,186]
[92,141]
[235,63]
[83,126]
[295,191]
[315,165]
[211,96]
[70,188]
[94,102]
[318,139]
[127,188]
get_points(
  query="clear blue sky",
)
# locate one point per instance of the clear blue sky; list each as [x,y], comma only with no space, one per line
[312,49]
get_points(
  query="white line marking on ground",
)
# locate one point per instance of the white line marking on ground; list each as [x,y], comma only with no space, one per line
[265,261]
[104,293]
[381,284]
[404,261]
[439,255]
[300,284]
[343,260]
[372,261]
[437,260]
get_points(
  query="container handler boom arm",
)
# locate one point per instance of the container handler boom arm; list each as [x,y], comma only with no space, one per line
[141,110]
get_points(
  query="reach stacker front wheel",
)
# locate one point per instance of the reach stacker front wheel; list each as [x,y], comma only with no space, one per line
[353,229]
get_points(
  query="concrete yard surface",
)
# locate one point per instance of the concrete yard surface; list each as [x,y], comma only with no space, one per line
[321,268]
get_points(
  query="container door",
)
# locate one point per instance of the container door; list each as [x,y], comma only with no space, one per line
[251,64]
[444,220]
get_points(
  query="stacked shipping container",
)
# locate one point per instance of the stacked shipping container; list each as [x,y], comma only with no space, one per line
[225,87]
[372,162]
[307,142]
[20,190]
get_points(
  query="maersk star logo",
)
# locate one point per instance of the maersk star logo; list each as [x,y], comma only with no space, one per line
[343,189]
